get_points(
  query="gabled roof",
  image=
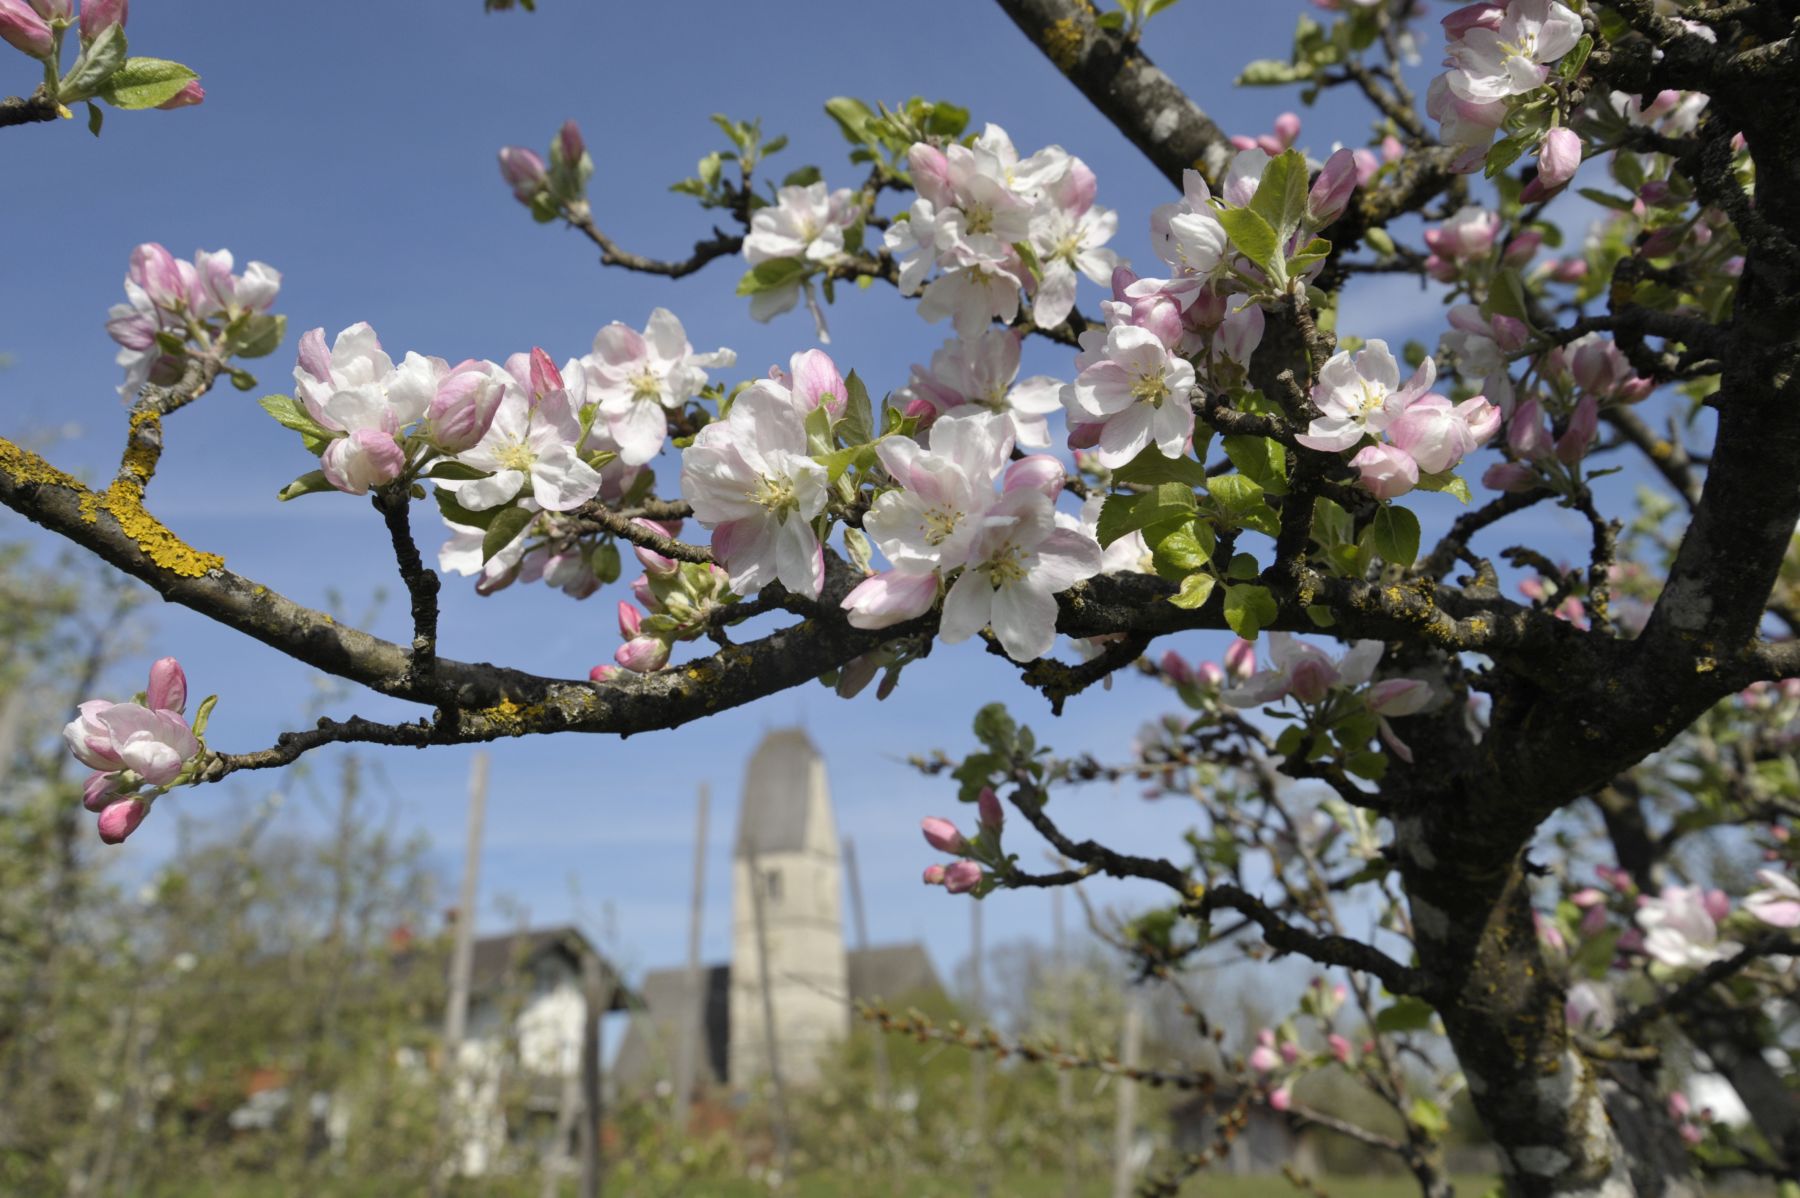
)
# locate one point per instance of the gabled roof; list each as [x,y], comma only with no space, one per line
[777,786]
[500,959]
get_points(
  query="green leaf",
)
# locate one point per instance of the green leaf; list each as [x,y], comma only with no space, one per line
[96,118]
[1242,567]
[1428,1117]
[1180,550]
[858,421]
[1122,515]
[853,118]
[1260,459]
[1240,501]
[1249,609]
[258,336]
[772,275]
[203,715]
[1152,466]
[806,176]
[818,430]
[1196,589]
[289,413]
[1577,58]
[1254,238]
[1394,534]
[94,66]
[995,728]
[1408,1014]
[840,460]
[457,472]
[1504,153]
[309,483]
[1447,481]
[145,83]
[1506,297]
[1281,196]
[503,530]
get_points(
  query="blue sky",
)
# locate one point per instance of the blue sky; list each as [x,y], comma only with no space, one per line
[351,145]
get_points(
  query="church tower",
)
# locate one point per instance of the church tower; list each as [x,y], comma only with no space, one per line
[787,849]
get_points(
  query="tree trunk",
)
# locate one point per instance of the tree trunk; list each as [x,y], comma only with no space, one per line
[1561,1124]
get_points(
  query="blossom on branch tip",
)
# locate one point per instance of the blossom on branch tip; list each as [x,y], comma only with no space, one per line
[981,373]
[1680,930]
[532,446]
[1135,390]
[639,378]
[961,877]
[1018,562]
[943,836]
[25,30]
[1360,394]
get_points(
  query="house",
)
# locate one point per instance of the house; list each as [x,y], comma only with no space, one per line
[788,928]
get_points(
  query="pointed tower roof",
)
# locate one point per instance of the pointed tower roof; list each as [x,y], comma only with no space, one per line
[777,792]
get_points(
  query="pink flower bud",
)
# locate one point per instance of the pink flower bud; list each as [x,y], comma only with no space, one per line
[1559,157]
[990,813]
[168,686]
[962,877]
[603,673]
[1510,333]
[1473,16]
[1588,896]
[97,16]
[1524,247]
[942,835]
[546,379]
[121,819]
[154,269]
[1209,675]
[1572,446]
[24,30]
[1281,1098]
[1392,150]
[1039,471]
[98,792]
[1331,191]
[630,618]
[643,655]
[934,875]
[191,93]
[1311,680]
[1175,669]
[569,143]
[523,171]
[1240,659]
[1340,1048]
[1263,1059]
[654,562]
[1717,904]
[1569,270]
[1386,471]
[1290,1051]
[1287,128]
[1367,165]
[54,10]
[1527,435]
[1593,921]
[1679,1107]
[463,408]
[1509,476]
[930,172]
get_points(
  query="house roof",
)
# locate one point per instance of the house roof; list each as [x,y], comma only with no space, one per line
[777,786]
[891,972]
[498,959]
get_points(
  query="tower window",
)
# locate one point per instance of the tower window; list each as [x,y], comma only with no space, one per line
[772,885]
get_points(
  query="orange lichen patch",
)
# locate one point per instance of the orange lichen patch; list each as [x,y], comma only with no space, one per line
[124,502]
[1062,43]
[28,469]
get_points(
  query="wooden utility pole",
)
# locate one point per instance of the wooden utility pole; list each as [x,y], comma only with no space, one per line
[693,1018]
[462,957]
[1125,1128]
[1065,1079]
[978,1064]
[783,1143]
[882,1085]
[596,988]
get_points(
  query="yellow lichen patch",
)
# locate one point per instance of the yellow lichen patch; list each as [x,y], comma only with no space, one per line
[1062,43]
[124,502]
[141,455]
[1705,665]
[27,469]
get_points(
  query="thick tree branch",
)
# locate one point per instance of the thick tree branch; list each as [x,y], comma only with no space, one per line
[1326,949]
[27,110]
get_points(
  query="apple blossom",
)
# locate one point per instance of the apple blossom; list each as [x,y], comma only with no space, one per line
[980,372]
[1572,446]
[1136,391]
[749,480]
[1778,903]
[1068,234]
[524,172]
[1510,59]
[960,877]
[1304,672]
[1559,158]
[24,30]
[357,394]
[934,875]
[943,836]
[532,444]
[121,818]
[191,93]
[1017,563]
[1360,394]
[1467,126]
[639,378]
[1332,190]
[1679,931]
[1439,434]
[168,686]
[462,408]
[97,16]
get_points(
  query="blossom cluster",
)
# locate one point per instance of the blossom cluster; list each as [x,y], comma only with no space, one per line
[174,308]
[966,875]
[1323,688]
[1405,432]
[137,750]
[976,206]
